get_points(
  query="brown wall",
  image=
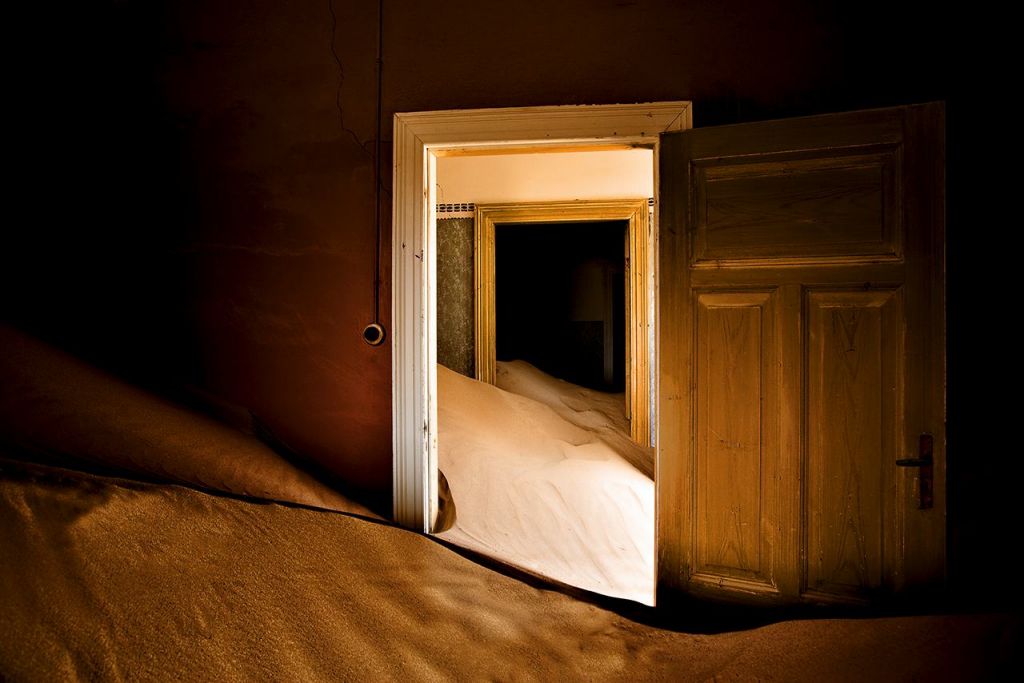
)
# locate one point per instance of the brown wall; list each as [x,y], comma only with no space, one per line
[190,209]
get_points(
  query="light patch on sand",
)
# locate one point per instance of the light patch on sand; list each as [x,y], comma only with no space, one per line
[544,480]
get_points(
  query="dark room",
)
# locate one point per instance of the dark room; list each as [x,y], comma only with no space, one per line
[581,340]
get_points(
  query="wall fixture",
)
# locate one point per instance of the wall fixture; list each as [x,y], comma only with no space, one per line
[373,334]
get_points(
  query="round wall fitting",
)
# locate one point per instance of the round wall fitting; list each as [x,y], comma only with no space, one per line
[373,334]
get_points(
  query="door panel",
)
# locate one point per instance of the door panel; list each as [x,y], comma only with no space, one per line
[801,310]
[854,349]
[792,208]
[737,448]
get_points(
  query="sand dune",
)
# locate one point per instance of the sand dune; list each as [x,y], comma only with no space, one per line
[544,493]
[52,403]
[105,580]
[599,412]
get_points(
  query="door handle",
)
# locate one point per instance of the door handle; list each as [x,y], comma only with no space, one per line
[925,478]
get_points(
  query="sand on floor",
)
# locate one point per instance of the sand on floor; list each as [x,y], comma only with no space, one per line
[107,580]
[599,412]
[547,494]
[54,404]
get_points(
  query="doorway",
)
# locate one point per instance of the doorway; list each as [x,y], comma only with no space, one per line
[560,300]
[419,138]
[639,286]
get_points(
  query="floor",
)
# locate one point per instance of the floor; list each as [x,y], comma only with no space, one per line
[105,579]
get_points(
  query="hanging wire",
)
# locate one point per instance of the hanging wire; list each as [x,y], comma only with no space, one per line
[376,161]
[373,333]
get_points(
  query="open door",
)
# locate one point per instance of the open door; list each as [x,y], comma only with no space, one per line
[801,415]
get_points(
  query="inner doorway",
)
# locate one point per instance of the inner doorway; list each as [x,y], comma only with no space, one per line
[560,300]
[639,282]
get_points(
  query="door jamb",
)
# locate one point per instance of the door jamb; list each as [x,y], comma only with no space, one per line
[419,138]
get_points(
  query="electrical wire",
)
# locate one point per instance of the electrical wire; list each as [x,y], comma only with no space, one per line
[375,156]
[376,161]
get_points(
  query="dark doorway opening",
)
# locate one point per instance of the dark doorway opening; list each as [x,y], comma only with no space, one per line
[560,301]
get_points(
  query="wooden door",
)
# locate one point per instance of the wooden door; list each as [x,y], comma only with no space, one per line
[802,357]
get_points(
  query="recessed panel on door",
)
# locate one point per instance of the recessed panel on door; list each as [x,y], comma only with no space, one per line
[736,438]
[790,210]
[854,350]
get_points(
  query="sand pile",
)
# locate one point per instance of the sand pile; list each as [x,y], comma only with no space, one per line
[52,404]
[542,492]
[105,580]
[599,412]
[110,579]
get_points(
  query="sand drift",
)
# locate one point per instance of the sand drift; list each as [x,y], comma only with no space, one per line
[548,480]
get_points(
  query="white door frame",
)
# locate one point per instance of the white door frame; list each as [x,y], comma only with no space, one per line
[418,139]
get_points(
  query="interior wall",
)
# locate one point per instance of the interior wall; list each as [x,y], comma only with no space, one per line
[192,191]
[455,313]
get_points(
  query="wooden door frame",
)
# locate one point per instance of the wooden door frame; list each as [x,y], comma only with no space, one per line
[639,288]
[419,138]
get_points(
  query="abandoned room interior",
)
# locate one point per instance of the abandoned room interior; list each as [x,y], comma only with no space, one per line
[356,339]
